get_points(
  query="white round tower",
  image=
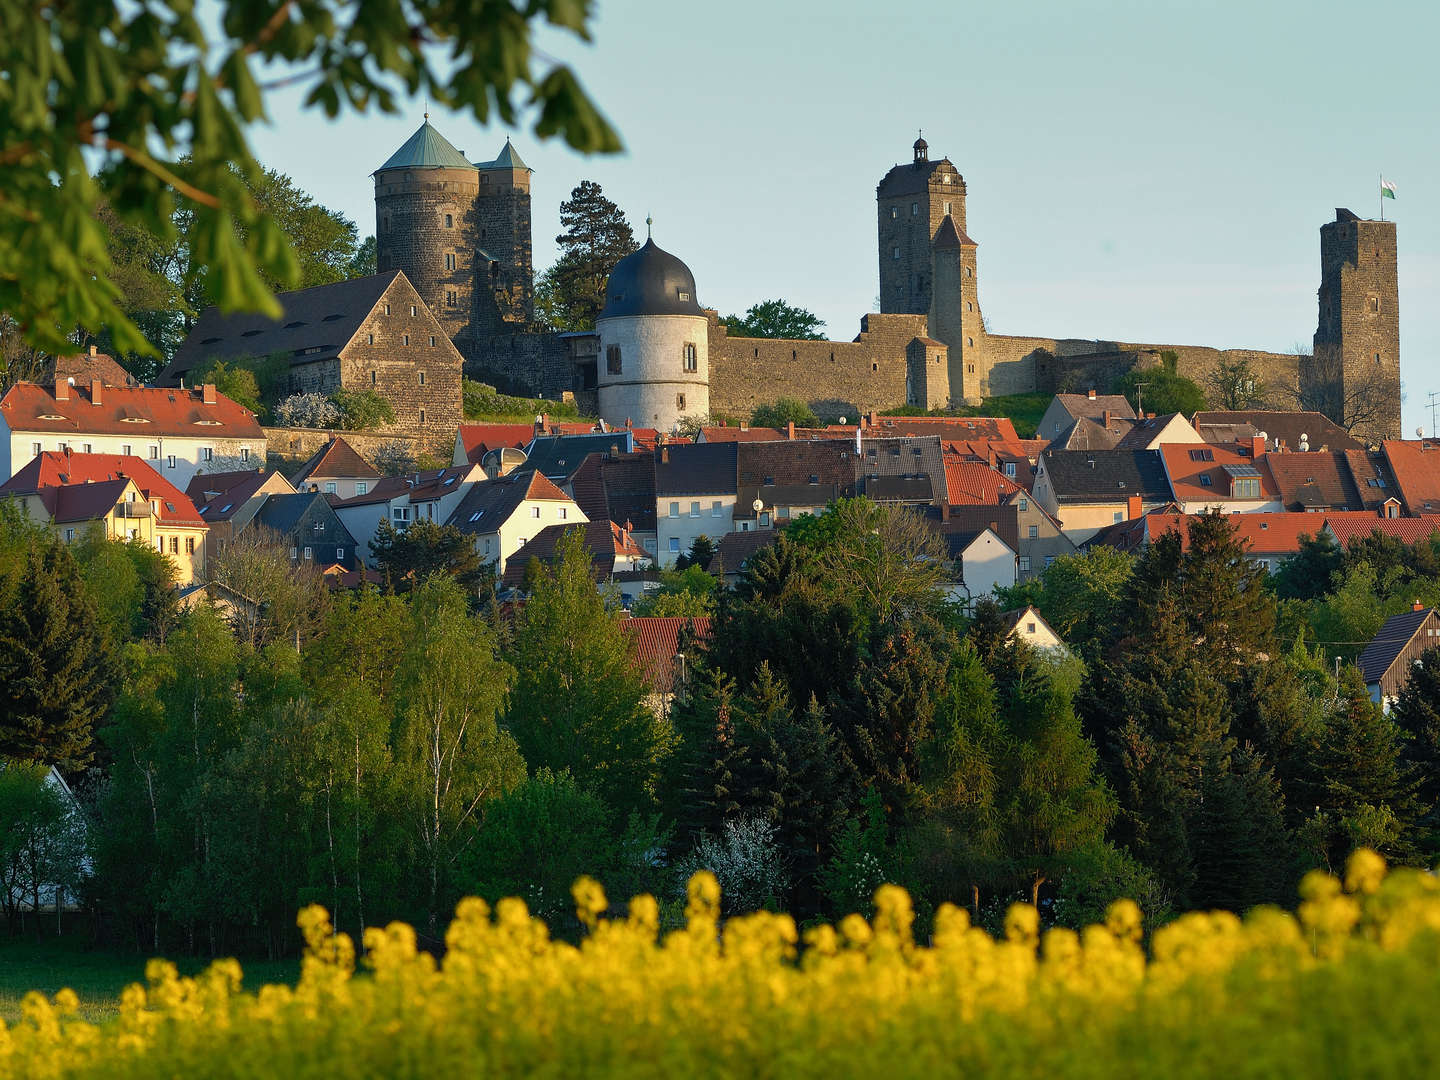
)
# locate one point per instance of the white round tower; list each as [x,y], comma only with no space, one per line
[654,363]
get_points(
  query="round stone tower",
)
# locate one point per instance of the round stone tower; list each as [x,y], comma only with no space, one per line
[424,219]
[654,364]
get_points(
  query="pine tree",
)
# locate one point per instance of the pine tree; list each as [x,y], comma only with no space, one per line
[571,293]
[56,665]
[1242,849]
[1417,713]
[699,792]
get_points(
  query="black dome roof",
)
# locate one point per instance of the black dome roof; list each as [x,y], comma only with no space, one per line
[650,282]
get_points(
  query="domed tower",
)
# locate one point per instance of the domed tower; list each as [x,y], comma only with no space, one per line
[654,366]
[460,232]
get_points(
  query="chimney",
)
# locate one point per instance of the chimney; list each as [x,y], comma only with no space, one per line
[207,393]
[628,424]
[1257,446]
[665,455]
[1417,606]
[874,419]
[62,389]
[1090,394]
[790,429]
[92,350]
[1106,423]
[1134,508]
[95,391]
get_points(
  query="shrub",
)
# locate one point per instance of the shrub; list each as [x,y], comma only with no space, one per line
[784,411]
[362,410]
[394,458]
[308,411]
[745,859]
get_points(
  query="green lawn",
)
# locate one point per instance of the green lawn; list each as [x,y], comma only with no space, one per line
[1024,410]
[96,975]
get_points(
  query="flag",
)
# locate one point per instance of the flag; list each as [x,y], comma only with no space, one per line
[1387,189]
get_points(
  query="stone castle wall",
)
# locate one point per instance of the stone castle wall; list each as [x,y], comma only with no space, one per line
[287,447]
[528,365]
[869,373]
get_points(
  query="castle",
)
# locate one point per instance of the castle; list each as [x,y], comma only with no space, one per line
[461,232]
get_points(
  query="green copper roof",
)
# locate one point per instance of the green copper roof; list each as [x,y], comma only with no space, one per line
[426,149]
[508,159]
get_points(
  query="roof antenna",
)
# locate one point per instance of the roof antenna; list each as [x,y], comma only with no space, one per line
[427,110]
[648,222]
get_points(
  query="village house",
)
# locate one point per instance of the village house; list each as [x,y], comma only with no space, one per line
[1065,410]
[432,495]
[612,551]
[336,469]
[1039,539]
[1402,641]
[1235,481]
[659,655]
[503,514]
[1029,626]
[696,486]
[620,488]
[1087,491]
[228,501]
[307,524]
[123,496]
[1152,432]
[177,432]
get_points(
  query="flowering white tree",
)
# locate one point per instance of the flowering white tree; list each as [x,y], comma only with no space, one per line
[745,859]
[308,411]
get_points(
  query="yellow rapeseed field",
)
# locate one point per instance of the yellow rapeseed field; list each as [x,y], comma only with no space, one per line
[1348,986]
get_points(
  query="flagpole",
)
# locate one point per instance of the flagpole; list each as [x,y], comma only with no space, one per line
[1382,196]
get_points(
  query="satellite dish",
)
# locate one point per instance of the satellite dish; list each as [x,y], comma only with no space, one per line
[1419,433]
[842,421]
[757,506]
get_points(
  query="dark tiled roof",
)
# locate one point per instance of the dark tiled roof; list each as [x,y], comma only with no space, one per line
[495,500]
[1078,405]
[336,458]
[912,178]
[696,469]
[950,236]
[967,522]
[283,512]
[223,506]
[1281,428]
[558,456]
[1105,475]
[734,549]
[906,457]
[1087,434]
[1142,431]
[315,324]
[421,486]
[1390,642]
[785,464]
[947,427]
[205,486]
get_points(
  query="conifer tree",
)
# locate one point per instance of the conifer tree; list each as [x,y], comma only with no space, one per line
[571,293]
[1417,713]
[699,792]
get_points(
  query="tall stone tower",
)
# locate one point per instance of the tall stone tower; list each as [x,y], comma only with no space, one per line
[928,264]
[460,232]
[1355,371]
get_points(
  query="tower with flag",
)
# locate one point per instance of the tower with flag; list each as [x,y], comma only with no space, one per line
[1387,191]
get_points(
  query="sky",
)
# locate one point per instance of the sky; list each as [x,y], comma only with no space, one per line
[1152,171]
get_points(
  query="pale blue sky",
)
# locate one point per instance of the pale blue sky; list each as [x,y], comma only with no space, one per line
[1147,171]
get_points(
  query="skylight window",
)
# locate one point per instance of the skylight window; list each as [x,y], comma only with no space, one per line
[226,508]
[1202,455]
[477,515]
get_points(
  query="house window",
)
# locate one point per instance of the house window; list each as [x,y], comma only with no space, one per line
[1010,471]
[400,513]
[612,359]
[124,449]
[894,212]
[412,311]
[1033,533]
[85,448]
[562,513]
[1024,563]
[422,416]
[189,545]
[170,461]
[1030,628]
[174,545]
[35,449]
[432,341]
[674,544]
[1374,304]
[387,309]
[449,260]
[422,374]
[361,487]
[947,209]
[294,553]
[307,554]
[370,339]
[895,253]
[449,221]
[695,509]
[1024,504]
[717,508]
[244,453]
[691,355]
[154,453]
[374,378]
[329,487]
[680,401]
[674,509]
[969,272]
[534,511]
[914,209]
[339,554]
[1118,517]
[160,544]
[207,453]
[487,545]
[765,518]
[405,339]
[1377,358]
[450,300]
[69,535]
[1049,559]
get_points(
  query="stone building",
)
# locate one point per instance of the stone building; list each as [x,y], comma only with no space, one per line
[371,333]
[461,232]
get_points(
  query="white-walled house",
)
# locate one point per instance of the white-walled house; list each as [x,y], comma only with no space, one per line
[419,496]
[986,562]
[178,433]
[503,514]
[696,486]
[1028,625]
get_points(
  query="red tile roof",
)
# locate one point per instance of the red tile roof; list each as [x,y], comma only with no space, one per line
[973,483]
[947,427]
[606,541]
[56,472]
[1186,465]
[336,458]
[1412,530]
[1319,480]
[1416,467]
[477,440]
[657,641]
[128,410]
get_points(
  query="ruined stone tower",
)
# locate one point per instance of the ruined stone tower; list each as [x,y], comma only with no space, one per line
[461,233]
[928,263]
[1355,372]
